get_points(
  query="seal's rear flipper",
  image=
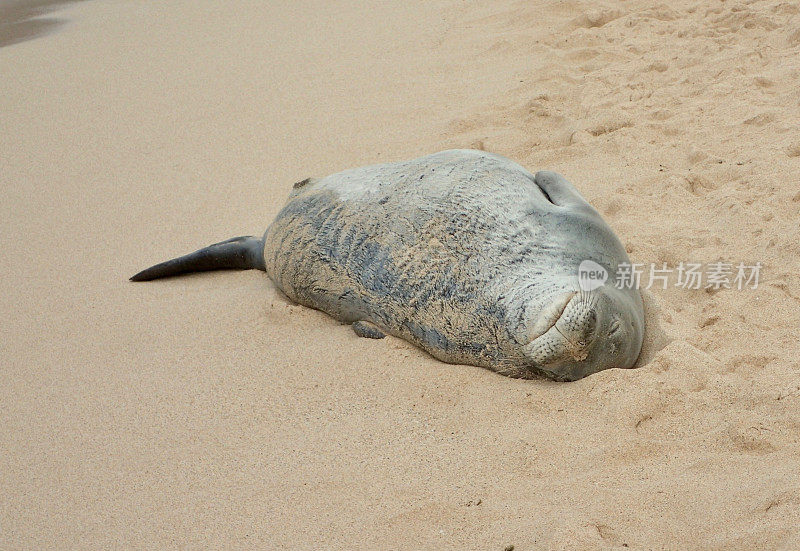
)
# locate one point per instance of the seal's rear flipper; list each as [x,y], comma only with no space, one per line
[239,253]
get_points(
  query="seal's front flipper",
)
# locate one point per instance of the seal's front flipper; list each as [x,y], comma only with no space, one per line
[239,253]
[559,190]
[368,330]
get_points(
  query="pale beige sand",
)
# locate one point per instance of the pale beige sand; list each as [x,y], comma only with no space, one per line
[206,411]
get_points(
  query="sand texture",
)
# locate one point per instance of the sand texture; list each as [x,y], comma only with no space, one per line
[210,412]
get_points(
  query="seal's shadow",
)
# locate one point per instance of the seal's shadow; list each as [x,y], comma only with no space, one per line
[655,338]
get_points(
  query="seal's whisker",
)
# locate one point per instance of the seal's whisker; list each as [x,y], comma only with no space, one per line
[587,298]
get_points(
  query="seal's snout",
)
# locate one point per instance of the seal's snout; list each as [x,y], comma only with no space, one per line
[578,326]
[564,333]
[582,333]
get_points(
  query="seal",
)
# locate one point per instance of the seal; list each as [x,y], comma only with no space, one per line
[463,253]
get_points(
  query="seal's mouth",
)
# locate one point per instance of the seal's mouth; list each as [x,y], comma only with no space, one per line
[564,332]
[548,318]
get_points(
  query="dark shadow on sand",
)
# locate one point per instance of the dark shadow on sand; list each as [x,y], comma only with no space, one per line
[22,20]
[655,338]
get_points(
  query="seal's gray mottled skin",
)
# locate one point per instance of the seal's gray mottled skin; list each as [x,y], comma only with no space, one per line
[463,253]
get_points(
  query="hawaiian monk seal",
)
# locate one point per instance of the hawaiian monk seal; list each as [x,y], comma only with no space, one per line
[464,253]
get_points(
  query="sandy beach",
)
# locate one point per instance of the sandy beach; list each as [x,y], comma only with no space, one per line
[209,412]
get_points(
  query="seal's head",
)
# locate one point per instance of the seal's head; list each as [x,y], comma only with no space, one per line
[583,332]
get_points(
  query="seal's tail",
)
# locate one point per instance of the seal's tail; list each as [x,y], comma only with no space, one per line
[239,253]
